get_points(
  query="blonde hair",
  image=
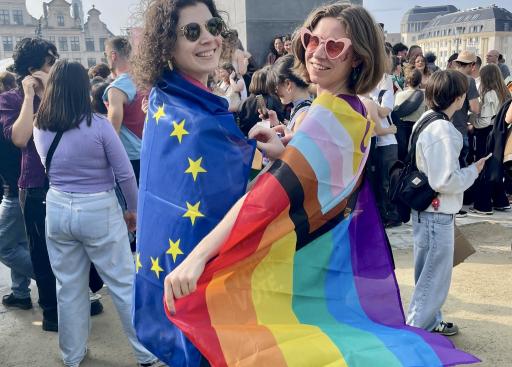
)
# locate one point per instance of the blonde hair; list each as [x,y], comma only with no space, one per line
[367,43]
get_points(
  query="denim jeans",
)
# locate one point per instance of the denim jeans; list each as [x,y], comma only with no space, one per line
[80,229]
[14,247]
[433,264]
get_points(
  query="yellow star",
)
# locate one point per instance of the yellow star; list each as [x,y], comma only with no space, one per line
[193,212]
[159,113]
[195,167]
[138,264]
[174,249]
[179,130]
[156,267]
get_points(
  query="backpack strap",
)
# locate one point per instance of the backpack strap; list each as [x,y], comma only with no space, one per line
[422,125]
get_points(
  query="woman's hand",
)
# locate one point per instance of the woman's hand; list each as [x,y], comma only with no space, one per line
[480,164]
[131,220]
[286,134]
[267,141]
[272,117]
[393,129]
[182,281]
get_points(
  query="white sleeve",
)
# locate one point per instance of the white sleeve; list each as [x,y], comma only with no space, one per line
[443,171]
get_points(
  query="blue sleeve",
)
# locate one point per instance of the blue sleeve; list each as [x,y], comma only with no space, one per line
[125,84]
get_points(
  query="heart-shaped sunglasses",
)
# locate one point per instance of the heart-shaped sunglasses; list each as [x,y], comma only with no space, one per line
[334,48]
[192,31]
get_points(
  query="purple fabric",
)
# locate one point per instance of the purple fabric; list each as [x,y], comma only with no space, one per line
[374,275]
[87,159]
[32,171]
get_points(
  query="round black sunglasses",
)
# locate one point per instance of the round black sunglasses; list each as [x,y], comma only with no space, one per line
[192,31]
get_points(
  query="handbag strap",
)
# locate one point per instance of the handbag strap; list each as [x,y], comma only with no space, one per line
[421,125]
[411,104]
[51,151]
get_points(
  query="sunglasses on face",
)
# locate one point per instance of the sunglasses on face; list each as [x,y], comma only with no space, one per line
[192,31]
[334,48]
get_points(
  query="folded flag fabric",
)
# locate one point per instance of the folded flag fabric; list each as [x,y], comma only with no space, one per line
[195,164]
[306,276]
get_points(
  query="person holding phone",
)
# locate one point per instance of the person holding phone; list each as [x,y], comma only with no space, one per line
[437,152]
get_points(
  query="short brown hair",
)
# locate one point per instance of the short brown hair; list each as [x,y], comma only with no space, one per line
[412,76]
[101,70]
[259,81]
[367,43]
[7,81]
[121,45]
[443,87]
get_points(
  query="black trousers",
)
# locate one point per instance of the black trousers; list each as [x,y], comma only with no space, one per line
[385,156]
[403,135]
[33,206]
[487,194]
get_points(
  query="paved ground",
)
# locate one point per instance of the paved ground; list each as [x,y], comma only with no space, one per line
[480,302]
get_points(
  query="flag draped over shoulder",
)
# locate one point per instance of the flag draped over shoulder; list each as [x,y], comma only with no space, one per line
[306,276]
[195,164]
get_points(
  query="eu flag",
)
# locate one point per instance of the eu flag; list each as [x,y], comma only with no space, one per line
[195,164]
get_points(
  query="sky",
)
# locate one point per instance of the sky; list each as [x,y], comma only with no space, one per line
[117,13]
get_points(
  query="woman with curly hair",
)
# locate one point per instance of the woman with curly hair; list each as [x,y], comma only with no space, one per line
[181,46]
[420,63]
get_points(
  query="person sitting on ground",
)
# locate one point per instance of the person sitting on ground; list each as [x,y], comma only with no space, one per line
[437,151]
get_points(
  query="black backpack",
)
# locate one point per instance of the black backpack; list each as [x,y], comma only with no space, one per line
[408,187]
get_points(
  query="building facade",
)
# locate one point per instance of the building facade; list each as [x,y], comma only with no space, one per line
[417,18]
[258,21]
[62,23]
[478,30]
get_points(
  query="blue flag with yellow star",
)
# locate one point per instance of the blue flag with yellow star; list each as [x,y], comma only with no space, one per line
[195,164]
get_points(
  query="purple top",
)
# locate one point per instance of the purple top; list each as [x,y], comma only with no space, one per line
[32,171]
[87,159]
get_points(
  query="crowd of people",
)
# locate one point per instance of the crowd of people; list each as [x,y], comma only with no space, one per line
[71,143]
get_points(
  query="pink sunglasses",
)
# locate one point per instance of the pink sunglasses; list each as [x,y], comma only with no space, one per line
[334,48]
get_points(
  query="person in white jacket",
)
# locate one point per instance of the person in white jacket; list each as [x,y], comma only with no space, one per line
[437,152]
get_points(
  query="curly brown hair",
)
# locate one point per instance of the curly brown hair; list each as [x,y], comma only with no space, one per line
[367,42]
[159,38]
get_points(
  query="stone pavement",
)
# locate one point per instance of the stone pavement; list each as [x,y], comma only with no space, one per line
[401,237]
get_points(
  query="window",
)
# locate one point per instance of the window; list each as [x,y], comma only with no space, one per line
[63,43]
[75,43]
[8,43]
[89,44]
[102,44]
[77,60]
[103,60]
[17,16]
[91,62]
[4,17]
[60,20]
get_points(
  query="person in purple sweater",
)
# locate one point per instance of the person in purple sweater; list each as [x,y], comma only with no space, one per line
[84,222]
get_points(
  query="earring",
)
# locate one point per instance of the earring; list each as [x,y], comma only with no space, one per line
[170,64]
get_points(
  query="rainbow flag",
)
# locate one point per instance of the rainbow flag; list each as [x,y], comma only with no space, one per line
[306,276]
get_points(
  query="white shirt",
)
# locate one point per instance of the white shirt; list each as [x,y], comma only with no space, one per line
[437,156]
[388,101]
[490,107]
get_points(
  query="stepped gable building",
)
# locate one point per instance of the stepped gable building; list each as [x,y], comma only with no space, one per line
[62,23]
[478,30]
[417,18]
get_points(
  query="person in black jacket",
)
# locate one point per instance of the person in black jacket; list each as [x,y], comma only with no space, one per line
[248,114]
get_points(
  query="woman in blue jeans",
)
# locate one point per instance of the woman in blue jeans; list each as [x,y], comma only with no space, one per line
[437,150]
[84,222]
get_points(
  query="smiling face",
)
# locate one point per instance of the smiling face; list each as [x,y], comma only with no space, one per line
[328,74]
[278,45]
[419,63]
[199,58]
